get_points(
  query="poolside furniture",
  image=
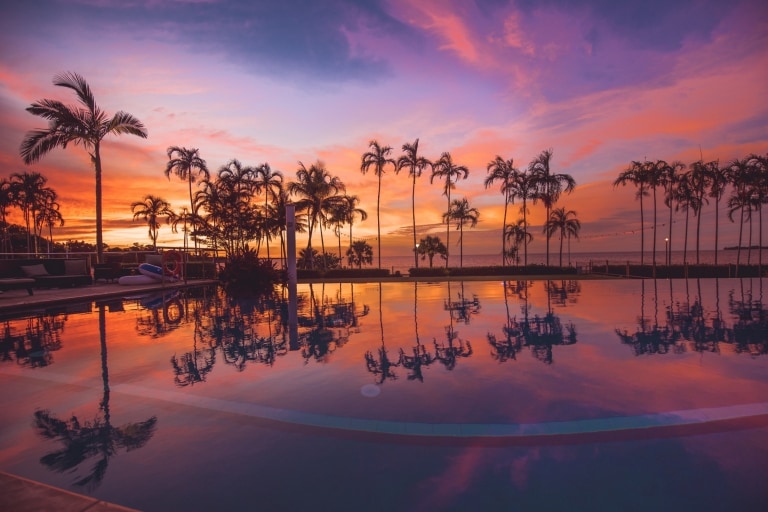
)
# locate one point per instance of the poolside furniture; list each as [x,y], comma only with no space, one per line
[15,283]
[47,272]
[108,271]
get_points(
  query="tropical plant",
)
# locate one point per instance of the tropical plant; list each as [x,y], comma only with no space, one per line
[318,191]
[49,216]
[150,209]
[446,169]
[463,214]
[670,175]
[188,166]
[30,193]
[549,185]
[6,201]
[360,253]
[505,172]
[430,246]
[700,177]
[270,182]
[636,175]
[377,158]
[85,125]
[523,187]
[740,198]
[565,224]
[415,164]
[718,182]
[519,234]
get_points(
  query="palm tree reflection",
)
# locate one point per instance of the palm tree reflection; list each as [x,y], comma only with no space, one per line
[448,351]
[380,364]
[95,439]
[31,341]
[421,357]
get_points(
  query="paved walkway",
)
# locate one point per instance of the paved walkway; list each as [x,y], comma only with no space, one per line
[19,300]
[19,494]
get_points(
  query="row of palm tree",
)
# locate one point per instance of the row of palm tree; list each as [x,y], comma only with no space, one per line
[29,192]
[689,188]
[223,211]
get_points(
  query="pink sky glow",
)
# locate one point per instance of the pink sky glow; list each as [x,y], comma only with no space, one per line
[601,84]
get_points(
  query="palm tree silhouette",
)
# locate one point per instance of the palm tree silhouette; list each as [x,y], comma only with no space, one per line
[636,174]
[318,192]
[719,179]
[377,158]
[84,125]
[97,438]
[523,186]
[460,212]
[50,216]
[271,183]
[446,170]
[30,193]
[549,185]
[187,164]
[350,210]
[150,210]
[359,253]
[519,234]
[740,200]
[381,365]
[505,172]
[565,224]
[431,246]
[415,165]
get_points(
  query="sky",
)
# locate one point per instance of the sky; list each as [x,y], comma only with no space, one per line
[600,83]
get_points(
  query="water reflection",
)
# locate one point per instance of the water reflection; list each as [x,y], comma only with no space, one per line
[693,324]
[96,440]
[539,333]
[32,341]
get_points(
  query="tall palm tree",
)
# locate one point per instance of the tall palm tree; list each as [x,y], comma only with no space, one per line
[549,185]
[415,164]
[187,165]
[377,158]
[150,209]
[85,125]
[636,175]
[565,224]
[740,200]
[6,201]
[270,182]
[523,187]
[701,176]
[49,216]
[350,209]
[30,192]
[718,182]
[686,200]
[670,174]
[505,172]
[317,191]
[462,214]
[446,169]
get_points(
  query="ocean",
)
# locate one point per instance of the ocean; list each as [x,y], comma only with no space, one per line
[580,259]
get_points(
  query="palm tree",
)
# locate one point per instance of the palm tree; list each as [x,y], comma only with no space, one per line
[50,216]
[271,183]
[415,165]
[670,175]
[462,214]
[701,176]
[505,172]
[549,185]
[317,191]
[84,125]
[636,175]
[187,165]
[150,209]
[348,208]
[360,252]
[431,246]
[377,158]
[718,181]
[740,200]
[30,193]
[519,234]
[565,224]
[524,187]
[446,170]
[6,201]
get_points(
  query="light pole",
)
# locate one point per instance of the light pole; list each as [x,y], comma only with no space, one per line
[666,250]
[416,250]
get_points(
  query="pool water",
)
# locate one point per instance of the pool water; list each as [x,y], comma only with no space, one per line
[481,395]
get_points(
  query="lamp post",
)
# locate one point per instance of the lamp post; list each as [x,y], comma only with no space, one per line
[416,250]
[666,250]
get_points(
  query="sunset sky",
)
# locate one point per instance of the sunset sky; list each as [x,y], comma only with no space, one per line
[599,82]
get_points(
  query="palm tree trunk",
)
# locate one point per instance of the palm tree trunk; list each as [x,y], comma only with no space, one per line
[378,218]
[561,250]
[685,243]
[525,228]
[717,225]
[698,230]
[547,238]
[654,228]
[503,231]
[448,224]
[461,245]
[99,236]
[413,213]
[642,228]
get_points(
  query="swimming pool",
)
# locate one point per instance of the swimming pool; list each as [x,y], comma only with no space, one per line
[545,395]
